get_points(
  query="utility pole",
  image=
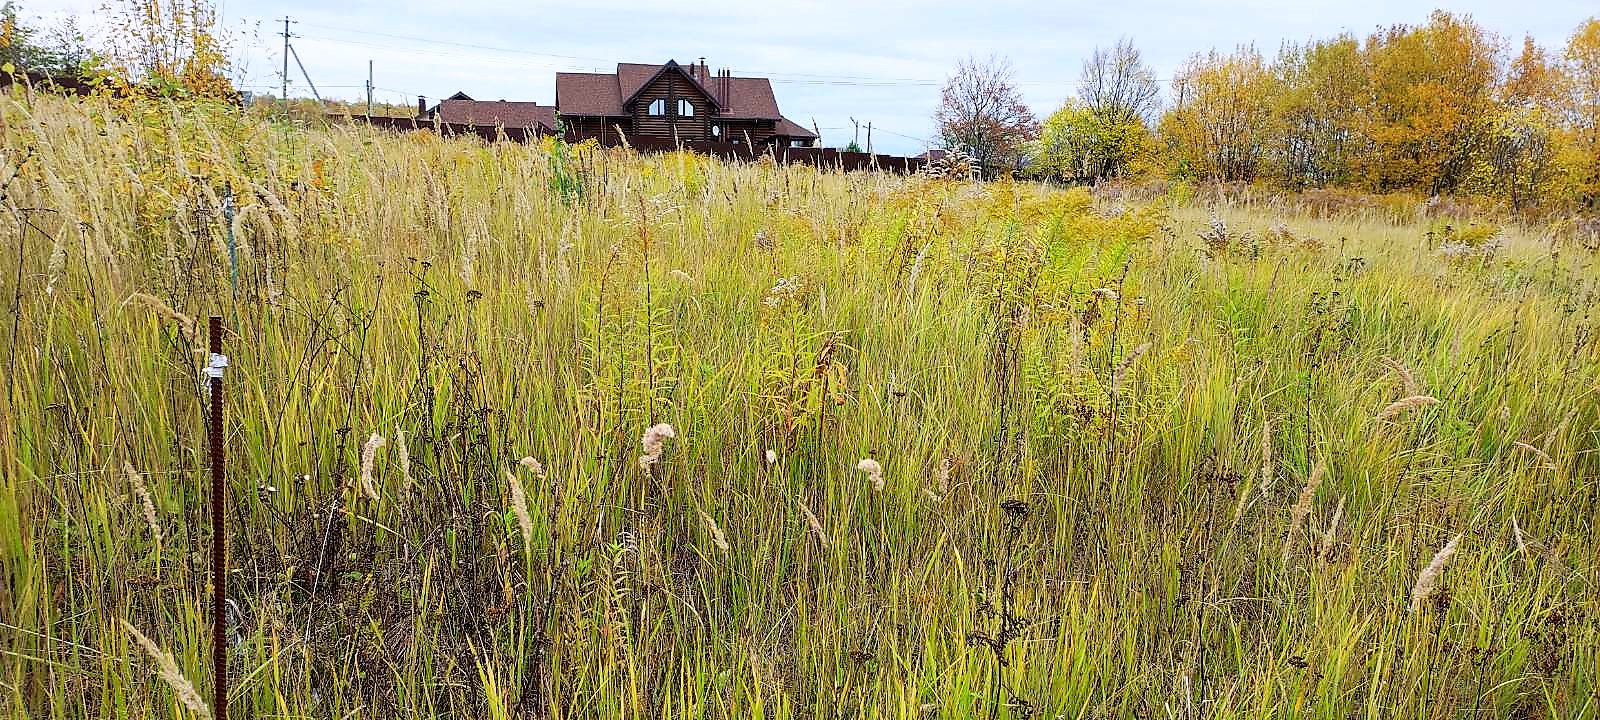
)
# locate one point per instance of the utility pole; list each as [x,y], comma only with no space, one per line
[369,88]
[856,139]
[869,138]
[285,96]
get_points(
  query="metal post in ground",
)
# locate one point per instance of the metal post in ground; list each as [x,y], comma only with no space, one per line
[219,535]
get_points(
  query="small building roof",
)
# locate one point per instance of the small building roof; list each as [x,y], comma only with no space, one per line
[791,129]
[528,115]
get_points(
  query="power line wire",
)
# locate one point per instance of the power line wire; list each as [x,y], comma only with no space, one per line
[433,41]
[788,78]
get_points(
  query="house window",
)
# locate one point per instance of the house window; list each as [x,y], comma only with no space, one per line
[658,107]
[685,108]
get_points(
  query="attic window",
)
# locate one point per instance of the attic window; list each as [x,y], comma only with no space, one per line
[685,108]
[658,107]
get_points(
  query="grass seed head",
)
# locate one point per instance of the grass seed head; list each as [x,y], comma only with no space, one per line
[1266,457]
[1536,452]
[717,538]
[1428,581]
[811,519]
[167,668]
[1399,406]
[534,466]
[185,322]
[1328,538]
[653,443]
[1127,364]
[1302,506]
[145,502]
[1408,381]
[369,453]
[874,472]
[519,507]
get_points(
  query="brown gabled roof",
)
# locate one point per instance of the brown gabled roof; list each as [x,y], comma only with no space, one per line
[751,98]
[588,94]
[632,78]
[791,129]
[527,115]
[591,94]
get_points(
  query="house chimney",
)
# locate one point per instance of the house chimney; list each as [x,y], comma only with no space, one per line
[703,74]
[422,106]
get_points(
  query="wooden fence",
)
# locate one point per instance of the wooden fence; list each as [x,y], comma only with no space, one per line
[825,158]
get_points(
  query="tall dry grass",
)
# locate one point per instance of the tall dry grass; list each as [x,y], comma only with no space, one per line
[1085,421]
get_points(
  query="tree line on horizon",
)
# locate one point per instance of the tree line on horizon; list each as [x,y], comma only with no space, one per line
[1444,108]
[1441,108]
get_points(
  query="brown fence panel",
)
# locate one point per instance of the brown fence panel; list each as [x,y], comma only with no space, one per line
[820,158]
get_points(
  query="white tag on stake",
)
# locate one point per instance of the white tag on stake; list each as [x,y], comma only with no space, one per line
[219,362]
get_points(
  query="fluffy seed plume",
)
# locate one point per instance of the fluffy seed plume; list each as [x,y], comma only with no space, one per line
[717,538]
[1302,506]
[1428,581]
[1127,364]
[772,456]
[403,454]
[1408,382]
[945,466]
[652,443]
[1522,542]
[145,503]
[519,507]
[534,467]
[1400,406]
[1326,551]
[167,668]
[166,311]
[369,453]
[874,472]
[811,519]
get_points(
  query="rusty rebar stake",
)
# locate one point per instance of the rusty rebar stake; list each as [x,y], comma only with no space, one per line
[219,536]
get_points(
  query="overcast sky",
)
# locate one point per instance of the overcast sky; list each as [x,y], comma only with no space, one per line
[830,61]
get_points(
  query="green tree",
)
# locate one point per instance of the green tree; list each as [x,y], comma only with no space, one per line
[1316,134]
[1077,144]
[56,50]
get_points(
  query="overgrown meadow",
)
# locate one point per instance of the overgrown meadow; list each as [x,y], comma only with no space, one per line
[551,431]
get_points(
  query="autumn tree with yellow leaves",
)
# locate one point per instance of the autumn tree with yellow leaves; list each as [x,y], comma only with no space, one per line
[1442,108]
[173,45]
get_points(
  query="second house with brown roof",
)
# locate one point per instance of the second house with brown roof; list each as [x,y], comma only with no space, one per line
[662,102]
